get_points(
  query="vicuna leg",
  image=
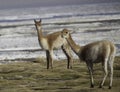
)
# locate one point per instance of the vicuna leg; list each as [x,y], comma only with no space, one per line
[90,68]
[47,56]
[51,58]
[104,65]
[68,52]
[110,65]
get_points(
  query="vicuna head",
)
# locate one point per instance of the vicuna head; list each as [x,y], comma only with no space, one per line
[38,24]
[66,33]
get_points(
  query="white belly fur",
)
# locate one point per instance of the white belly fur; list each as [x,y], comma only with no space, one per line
[44,44]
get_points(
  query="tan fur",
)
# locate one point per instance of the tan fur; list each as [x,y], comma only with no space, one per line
[53,41]
[44,43]
[100,51]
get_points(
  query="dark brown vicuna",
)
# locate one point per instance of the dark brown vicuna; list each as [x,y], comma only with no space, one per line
[101,51]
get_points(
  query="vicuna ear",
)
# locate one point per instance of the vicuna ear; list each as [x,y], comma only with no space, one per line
[34,20]
[40,20]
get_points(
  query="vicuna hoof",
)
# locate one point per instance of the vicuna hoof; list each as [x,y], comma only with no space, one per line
[69,67]
[100,86]
[109,87]
[92,86]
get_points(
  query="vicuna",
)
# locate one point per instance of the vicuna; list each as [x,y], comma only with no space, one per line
[97,52]
[53,41]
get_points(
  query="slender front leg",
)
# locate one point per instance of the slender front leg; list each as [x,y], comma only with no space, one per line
[68,52]
[47,57]
[90,68]
[51,58]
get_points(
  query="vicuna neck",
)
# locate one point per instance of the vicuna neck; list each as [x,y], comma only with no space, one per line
[39,32]
[74,46]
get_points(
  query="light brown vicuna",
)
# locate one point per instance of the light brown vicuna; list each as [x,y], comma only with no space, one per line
[53,41]
[101,51]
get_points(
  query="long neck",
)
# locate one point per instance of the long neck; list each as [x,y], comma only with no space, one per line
[39,32]
[74,46]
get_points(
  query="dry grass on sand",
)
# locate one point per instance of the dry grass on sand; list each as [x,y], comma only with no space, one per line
[34,77]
